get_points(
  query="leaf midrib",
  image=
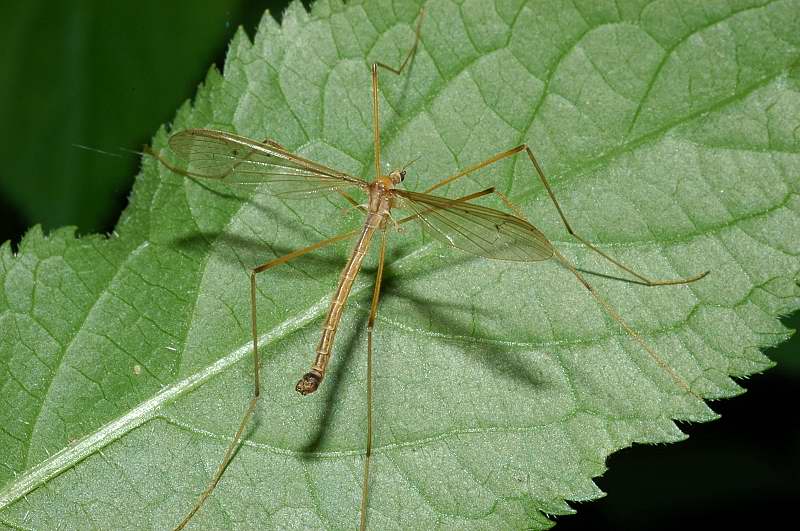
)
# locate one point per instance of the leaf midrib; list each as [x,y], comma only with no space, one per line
[89,444]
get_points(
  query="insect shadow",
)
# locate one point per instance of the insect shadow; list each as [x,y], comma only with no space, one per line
[503,360]
[506,362]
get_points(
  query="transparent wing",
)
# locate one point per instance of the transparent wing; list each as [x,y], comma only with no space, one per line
[476,229]
[235,159]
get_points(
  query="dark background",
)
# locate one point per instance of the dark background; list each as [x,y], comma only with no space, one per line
[106,75]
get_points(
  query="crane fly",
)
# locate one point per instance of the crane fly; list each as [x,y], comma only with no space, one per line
[459,223]
[473,228]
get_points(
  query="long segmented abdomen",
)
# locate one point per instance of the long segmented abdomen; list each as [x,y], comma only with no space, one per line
[311,380]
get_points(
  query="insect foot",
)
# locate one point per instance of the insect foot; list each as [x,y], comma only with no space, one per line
[308,383]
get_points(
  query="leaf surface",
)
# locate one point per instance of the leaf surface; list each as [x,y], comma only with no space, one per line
[670,132]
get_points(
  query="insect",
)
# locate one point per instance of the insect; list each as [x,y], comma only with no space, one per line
[457,222]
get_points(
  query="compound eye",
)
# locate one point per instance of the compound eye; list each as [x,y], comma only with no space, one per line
[402,175]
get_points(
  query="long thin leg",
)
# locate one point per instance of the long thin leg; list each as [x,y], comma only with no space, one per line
[411,52]
[630,331]
[524,147]
[376,136]
[231,450]
[373,311]
[376,128]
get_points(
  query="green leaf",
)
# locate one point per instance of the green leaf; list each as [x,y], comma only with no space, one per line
[670,132]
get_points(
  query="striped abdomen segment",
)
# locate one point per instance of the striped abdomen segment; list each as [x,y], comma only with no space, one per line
[311,380]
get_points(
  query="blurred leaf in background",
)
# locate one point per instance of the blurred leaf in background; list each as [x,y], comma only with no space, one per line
[102,75]
[106,75]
